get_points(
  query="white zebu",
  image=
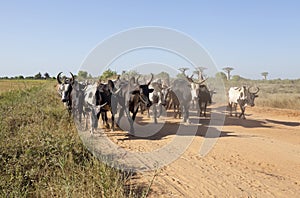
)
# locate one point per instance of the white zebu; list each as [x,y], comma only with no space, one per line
[91,108]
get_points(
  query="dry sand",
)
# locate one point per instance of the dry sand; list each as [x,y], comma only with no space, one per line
[257,157]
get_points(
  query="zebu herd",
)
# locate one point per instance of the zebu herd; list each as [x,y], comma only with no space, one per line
[126,96]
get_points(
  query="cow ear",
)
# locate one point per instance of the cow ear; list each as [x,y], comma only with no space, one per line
[256,96]
[111,85]
[135,92]
[151,90]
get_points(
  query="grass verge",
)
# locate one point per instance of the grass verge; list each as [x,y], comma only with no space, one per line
[41,154]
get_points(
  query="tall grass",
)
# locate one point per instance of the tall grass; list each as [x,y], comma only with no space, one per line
[10,85]
[41,154]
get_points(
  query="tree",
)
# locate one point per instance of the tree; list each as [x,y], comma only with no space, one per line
[183,69]
[82,74]
[199,72]
[236,78]
[108,74]
[265,74]
[181,76]
[38,76]
[163,75]
[221,75]
[46,75]
[228,70]
[129,74]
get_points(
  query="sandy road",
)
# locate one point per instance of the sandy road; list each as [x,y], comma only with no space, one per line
[258,157]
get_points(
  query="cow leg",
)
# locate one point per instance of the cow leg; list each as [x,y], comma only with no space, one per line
[185,111]
[112,121]
[205,105]
[198,107]
[230,108]
[155,113]
[121,114]
[94,121]
[242,115]
[175,113]
[160,110]
[132,121]
[86,120]
[105,119]
[148,112]
[179,109]
[235,108]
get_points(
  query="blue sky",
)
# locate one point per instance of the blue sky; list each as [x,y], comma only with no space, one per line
[250,36]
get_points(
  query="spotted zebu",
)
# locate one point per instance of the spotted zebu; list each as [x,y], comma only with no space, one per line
[243,97]
[64,89]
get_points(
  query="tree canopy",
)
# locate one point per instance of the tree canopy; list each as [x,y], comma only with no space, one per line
[108,74]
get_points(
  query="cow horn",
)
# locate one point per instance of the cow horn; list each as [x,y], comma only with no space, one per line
[253,92]
[137,80]
[103,105]
[117,91]
[150,79]
[257,90]
[73,79]
[58,78]
[201,81]
[190,79]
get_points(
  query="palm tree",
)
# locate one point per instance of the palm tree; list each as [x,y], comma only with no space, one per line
[265,74]
[228,70]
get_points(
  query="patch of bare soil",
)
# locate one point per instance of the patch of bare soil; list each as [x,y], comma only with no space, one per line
[259,157]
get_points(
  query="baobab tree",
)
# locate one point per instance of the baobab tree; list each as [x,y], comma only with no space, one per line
[183,69]
[199,72]
[228,70]
[265,74]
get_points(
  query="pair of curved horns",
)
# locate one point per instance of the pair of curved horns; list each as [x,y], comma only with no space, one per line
[257,90]
[58,78]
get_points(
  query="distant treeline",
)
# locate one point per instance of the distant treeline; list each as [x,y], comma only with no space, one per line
[38,76]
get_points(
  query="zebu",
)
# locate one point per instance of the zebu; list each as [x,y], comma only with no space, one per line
[203,95]
[182,90]
[64,89]
[243,97]
[130,96]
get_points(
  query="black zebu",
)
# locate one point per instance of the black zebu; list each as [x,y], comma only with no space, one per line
[130,96]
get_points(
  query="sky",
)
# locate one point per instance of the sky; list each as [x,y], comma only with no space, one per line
[53,36]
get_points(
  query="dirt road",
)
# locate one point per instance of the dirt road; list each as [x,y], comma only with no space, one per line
[258,157]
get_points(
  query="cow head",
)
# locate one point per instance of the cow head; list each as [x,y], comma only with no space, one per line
[143,91]
[65,87]
[165,94]
[251,96]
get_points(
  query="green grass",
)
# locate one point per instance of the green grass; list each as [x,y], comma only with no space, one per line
[41,154]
